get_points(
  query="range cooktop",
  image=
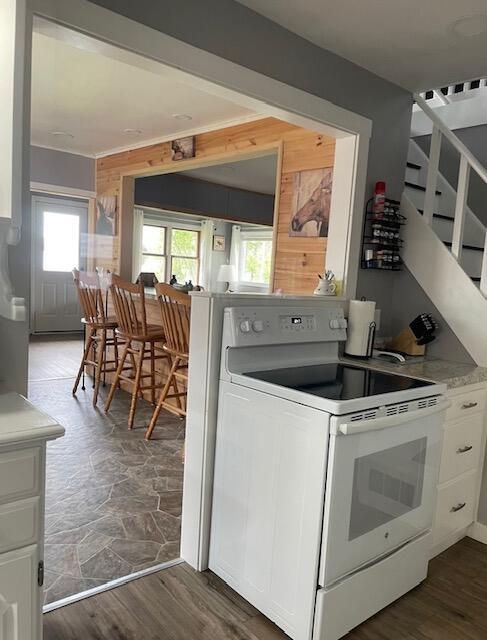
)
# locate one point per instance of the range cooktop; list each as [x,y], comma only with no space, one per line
[338,381]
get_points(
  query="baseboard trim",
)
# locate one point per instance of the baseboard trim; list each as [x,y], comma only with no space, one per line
[478,531]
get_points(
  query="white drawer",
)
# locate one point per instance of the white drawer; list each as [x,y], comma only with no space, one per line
[19,524]
[464,404]
[455,506]
[461,447]
[19,474]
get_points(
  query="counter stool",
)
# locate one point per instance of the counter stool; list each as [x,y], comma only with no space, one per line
[143,342]
[175,314]
[97,327]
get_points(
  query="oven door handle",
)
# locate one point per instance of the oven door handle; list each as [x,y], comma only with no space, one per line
[362,426]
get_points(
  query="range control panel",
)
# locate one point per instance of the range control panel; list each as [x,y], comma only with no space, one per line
[249,326]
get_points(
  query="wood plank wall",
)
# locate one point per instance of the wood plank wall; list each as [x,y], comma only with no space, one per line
[297,260]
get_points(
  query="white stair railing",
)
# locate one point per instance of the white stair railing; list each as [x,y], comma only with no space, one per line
[468,162]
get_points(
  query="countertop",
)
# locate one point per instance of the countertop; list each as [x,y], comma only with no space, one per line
[21,421]
[453,374]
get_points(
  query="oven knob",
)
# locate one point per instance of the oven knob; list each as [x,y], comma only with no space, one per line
[245,326]
[258,326]
[334,323]
[343,323]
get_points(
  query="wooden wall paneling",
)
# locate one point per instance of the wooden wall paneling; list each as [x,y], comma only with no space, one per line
[297,260]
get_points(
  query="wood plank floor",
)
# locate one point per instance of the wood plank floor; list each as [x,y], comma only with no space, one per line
[180,604]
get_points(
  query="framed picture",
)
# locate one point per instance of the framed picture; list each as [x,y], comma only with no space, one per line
[106,215]
[182,148]
[218,243]
[310,205]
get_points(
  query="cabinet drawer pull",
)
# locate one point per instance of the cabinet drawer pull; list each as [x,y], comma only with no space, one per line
[469,405]
[468,447]
[459,507]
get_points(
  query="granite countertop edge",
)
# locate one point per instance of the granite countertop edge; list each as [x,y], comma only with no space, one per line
[454,374]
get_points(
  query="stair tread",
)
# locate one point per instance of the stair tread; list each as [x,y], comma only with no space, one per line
[475,278]
[465,246]
[413,165]
[439,215]
[419,187]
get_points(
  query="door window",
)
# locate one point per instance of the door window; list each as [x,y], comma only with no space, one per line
[61,240]
[386,485]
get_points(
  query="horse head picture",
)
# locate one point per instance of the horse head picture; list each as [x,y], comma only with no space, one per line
[311,201]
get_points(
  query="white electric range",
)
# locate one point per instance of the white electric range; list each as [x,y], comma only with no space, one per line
[325,473]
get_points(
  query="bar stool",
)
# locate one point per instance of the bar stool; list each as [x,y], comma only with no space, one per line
[98,326]
[175,313]
[140,341]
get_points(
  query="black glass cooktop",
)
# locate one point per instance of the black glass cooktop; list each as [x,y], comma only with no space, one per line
[337,381]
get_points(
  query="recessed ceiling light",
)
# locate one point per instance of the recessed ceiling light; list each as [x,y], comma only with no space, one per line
[182,116]
[470,26]
[61,134]
[132,132]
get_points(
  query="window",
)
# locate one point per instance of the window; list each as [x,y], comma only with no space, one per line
[255,261]
[60,237]
[168,251]
[185,255]
[252,251]
[154,250]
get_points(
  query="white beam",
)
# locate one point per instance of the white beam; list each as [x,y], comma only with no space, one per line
[460,207]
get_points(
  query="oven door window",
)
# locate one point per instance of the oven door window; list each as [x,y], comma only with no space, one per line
[386,485]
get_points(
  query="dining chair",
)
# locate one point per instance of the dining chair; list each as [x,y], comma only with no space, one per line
[98,327]
[143,342]
[175,315]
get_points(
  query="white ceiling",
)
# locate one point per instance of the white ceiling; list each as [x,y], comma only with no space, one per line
[414,43]
[95,97]
[257,174]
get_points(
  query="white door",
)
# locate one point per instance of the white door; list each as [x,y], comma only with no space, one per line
[268,503]
[59,241]
[381,484]
[20,615]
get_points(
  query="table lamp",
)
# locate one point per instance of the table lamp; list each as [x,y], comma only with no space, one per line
[227,274]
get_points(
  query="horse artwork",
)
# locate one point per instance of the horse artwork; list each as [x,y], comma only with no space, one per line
[311,199]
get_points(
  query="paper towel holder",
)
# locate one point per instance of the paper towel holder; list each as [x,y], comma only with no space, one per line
[370,343]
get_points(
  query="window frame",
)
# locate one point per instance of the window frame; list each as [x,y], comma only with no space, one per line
[168,227]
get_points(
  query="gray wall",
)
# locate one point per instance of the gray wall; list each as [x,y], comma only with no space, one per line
[62,169]
[183,193]
[475,138]
[409,300]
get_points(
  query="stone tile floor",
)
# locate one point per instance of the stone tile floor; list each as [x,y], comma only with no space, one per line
[113,500]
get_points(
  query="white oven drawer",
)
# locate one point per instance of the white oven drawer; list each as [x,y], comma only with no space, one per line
[465,404]
[455,506]
[462,444]
[19,474]
[19,524]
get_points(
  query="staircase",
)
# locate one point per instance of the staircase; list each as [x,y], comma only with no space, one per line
[445,243]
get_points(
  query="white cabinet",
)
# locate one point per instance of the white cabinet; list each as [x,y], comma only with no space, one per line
[461,465]
[24,432]
[19,594]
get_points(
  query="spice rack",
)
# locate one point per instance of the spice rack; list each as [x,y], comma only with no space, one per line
[381,241]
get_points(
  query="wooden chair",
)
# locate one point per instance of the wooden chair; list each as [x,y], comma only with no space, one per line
[97,328]
[175,312]
[140,341]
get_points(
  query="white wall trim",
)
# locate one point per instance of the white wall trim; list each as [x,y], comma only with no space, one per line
[72,153]
[478,531]
[59,190]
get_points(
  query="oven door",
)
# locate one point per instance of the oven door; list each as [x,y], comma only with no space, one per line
[381,484]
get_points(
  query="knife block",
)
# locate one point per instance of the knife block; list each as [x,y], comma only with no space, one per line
[405,342]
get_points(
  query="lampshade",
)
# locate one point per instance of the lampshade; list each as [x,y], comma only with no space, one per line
[226,273]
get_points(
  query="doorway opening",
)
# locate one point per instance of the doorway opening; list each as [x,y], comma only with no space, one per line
[112,466]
